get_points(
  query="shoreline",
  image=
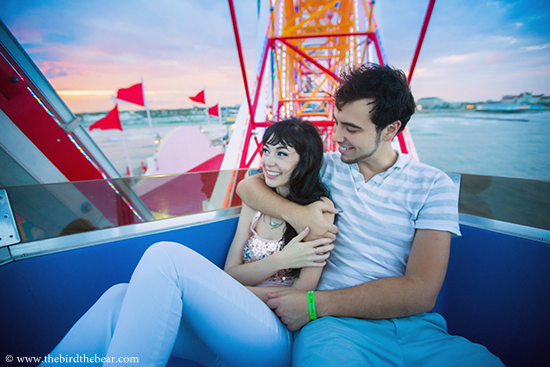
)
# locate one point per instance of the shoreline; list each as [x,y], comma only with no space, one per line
[480,144]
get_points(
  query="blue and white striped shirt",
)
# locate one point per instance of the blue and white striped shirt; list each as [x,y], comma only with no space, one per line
[378,218]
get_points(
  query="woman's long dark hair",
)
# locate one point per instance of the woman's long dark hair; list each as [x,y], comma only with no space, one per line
[305,185]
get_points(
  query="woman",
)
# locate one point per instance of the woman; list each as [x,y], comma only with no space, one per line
[179,303]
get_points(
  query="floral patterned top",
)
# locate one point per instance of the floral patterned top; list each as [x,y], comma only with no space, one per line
[257,248]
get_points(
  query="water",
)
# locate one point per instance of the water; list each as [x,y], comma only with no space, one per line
[492,144]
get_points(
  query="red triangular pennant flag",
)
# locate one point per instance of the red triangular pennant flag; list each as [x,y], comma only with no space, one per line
[214,110]
[134,94]
[111,121]
[199,98]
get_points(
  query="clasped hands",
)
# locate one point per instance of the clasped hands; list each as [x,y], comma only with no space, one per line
[291,307]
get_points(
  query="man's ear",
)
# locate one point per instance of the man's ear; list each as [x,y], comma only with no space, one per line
[391,130]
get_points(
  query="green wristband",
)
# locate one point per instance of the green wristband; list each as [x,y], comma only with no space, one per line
[311,305]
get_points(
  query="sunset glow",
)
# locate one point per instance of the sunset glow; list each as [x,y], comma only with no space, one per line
[473,50]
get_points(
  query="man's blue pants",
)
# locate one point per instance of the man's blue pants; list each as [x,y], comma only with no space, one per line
[419,340]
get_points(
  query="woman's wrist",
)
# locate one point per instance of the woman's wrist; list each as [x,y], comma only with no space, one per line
[275,262]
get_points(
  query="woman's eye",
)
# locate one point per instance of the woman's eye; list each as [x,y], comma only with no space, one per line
[282,154]
[265,151]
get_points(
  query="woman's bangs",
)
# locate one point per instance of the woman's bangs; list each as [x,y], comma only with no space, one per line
[277,137]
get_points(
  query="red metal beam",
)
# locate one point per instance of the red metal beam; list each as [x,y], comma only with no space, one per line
[421,38]
[261,76]
[256,152]
[322,35]
[241,59]
[377,47]
[244,151]
[25,112]
[317,123]
[402,143]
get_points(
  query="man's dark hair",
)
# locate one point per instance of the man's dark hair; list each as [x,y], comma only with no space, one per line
[305,186]
[388,87]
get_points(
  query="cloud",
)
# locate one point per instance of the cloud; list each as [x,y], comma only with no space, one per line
[51,73]
[99,45]
[509,39]
[422,73]
[537,48]
[53,69]
[453,59]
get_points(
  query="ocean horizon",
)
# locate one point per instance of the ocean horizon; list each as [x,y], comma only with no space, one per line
[512,145]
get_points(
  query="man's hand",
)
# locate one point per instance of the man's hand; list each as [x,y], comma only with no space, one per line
[291,307]
[318,216]
[313,216]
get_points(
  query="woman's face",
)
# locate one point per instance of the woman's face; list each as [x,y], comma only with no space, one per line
[278,162]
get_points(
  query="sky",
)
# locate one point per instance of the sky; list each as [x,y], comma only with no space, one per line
[474,50]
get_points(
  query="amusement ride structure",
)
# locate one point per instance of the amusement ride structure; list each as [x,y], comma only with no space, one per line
[71,226]
[307,45]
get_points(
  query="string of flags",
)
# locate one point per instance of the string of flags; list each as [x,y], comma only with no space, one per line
[136,95]
[133,94]
[201,98]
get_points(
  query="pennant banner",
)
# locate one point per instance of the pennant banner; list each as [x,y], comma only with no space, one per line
[111,121]
[215,111]
[133,94]
[199,98]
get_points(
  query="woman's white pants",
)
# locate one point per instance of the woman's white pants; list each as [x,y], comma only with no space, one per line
[178,303]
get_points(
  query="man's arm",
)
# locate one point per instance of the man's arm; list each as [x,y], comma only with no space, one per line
[413,293]
[257,195]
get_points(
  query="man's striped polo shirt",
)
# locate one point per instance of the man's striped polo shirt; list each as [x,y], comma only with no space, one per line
[378,218]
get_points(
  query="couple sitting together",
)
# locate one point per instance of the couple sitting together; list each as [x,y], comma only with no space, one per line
[376,274]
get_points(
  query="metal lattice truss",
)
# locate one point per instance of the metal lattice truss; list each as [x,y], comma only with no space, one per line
[307,46]
[310,44]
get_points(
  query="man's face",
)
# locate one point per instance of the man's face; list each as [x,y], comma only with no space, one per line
[355,132]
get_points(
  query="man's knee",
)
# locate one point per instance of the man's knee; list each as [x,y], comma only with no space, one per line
[458,351]
[425,340]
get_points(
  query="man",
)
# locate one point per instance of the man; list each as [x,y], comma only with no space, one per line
[396,218]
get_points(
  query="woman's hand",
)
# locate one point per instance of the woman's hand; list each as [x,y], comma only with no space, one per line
[297,254]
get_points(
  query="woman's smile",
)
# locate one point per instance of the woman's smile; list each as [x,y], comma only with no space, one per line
[272,174]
